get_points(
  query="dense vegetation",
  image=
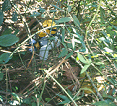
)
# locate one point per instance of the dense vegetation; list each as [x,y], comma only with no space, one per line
[58,52]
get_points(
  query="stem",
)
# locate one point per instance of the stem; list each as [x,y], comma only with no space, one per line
[41,93]
[90,25]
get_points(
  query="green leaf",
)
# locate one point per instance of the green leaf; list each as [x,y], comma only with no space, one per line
[1,76]
[76,21]
[56,7]
[81,58]
[16,96]
[63,52]
[69,8]
[6,5]
[27,101]
[51,11]
[87,89]
[63,34]
[7,31]
[62,20]
[4,58]
[99,63]
[104,103]
[65,98]
[47,99]
[14,103]
[102,14]
[41,9]
[1,17]
[14,16]
[35,14]
[69,55]
[8,40]
[84,68]
[1,99]
[34,104]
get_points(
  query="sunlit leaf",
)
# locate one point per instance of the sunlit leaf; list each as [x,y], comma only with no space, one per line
[8,40]
[77,58]
[14,103]
[99,63]
[1,99]
[81,58]
[84,68]
[108,50]
[16,96]
[62,20]
[73,43]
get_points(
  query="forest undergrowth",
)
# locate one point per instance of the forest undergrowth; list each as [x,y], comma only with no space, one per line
[58,52]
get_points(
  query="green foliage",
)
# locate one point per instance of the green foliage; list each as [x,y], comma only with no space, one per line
[4,58]
[87,34]
[6,5]
[66,99]
[1,17]
[63,53]
[105,103]
[62,20]
[8,40]
[1,76]
[14,16]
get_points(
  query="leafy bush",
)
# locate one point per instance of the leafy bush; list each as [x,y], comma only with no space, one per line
[85,36]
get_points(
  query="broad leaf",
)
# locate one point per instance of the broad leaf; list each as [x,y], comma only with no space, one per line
[6,5]
[63,52]
[69,8]
[1,17]
[16,96]
[76,21]
[81,58]
[62,20]
[35,14]
[69,55]
[4,58]
[7,31]
[8,40]
[84,68]
[56,7]
[65,98]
